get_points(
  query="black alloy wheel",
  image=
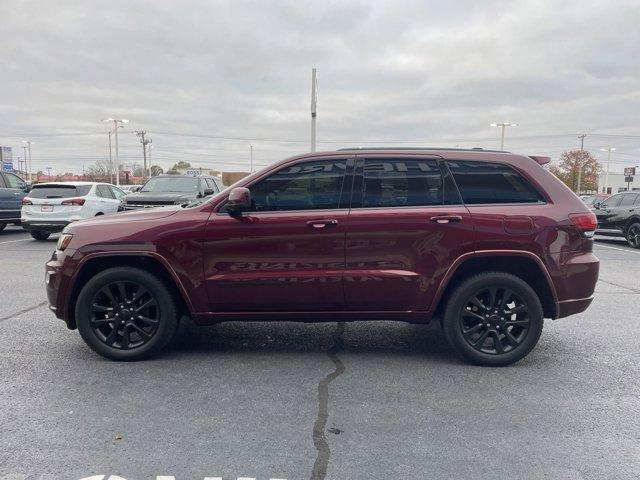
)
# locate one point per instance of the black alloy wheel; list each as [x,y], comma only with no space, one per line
[494,320]
[126,313]
[633,235]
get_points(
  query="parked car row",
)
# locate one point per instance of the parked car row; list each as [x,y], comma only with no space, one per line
[47,208]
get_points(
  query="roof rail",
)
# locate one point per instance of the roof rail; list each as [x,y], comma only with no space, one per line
[474,149]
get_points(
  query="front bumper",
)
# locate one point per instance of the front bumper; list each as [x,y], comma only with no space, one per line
[44,225]
[58,272]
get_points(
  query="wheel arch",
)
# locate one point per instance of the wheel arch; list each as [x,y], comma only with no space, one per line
[633,219]
[147,261]
[524,265]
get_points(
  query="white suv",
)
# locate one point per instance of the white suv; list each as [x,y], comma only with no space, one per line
[49,207]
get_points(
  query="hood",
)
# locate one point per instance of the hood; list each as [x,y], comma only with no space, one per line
[159,197]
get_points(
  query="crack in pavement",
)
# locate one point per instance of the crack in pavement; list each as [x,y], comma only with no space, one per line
[319,439]
[20,312]
[634,290]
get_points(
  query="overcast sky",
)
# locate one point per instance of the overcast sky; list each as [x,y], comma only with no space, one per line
[207,79]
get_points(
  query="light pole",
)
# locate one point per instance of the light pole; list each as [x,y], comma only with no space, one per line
[314,101]
[49,173]
[29,165]
[581,137]
[117,123]
[502,125]
[606,177]
[251,158]
[110,161]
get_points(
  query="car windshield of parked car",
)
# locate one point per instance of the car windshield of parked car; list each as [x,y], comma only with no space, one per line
[611,202]
[59,191]
[168,184]
[589,200]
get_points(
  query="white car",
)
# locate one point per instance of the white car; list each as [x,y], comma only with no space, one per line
[49,207]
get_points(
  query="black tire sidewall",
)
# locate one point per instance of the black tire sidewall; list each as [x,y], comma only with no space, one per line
[41,236]
[168,316]
[468,288]
[3,226]
[626,235]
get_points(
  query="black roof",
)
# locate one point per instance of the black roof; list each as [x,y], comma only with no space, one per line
[475,149]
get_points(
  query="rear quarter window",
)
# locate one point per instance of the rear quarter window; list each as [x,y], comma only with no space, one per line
[492,183]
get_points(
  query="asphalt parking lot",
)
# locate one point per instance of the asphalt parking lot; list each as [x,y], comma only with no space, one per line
[369,400]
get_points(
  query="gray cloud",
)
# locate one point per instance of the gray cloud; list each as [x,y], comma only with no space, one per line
[421,71]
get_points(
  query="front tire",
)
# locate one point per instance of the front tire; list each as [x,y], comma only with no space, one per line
[632,235]
[125,313]
[493,319]
[39,235]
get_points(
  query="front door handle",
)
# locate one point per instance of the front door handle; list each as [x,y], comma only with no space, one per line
[322,223]
[446,218]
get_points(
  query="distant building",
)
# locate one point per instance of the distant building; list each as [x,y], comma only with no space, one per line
[617,183]
[228,178]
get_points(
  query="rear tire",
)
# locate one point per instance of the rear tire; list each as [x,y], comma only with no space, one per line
[632,235]
[125,313]
[493,319]
[3,226]
[39,235]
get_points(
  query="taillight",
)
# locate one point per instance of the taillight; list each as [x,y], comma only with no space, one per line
[74,201]
[26,201]
[585,222]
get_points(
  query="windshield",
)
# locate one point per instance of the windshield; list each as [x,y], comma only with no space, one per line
[171,184]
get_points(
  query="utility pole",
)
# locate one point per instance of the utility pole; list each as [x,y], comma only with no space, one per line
[26,166]
[581,137]
[503,125]
[110,161]
[144,142]
[606,181]
[251,158]
[49,173]
[117,123]
[314,99]
[20,162]
[30,166]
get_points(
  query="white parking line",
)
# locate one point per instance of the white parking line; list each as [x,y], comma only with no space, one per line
[14,241]
[617,248]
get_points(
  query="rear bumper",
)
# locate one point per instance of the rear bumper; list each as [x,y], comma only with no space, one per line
[574,275]
[44,225]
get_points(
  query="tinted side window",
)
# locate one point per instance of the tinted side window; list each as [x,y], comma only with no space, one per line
[401,182]
[628,199]
[14,181]
[484,182]
[304,186]
[611,201]
[2,185]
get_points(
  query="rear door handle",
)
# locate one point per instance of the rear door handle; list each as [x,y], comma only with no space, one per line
[322,223]
[446,218]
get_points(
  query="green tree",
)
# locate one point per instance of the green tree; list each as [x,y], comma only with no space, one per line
[156,170]
[569,167]
[180,165]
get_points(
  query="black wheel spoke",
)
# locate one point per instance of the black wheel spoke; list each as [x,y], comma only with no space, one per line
[122,290]
[497,344]
[472,330]
[492,296]
[477,303]
[511,340]
[96,322]
[112,337]
[517,323]
[139,294]
[144,306]
[516,309]
[126,338]
[107,292]
[474,315]
[147,320]
[506,296]
[100,308]
[140,332]
[480,341]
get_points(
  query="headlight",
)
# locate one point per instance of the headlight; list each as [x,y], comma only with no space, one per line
[63,241]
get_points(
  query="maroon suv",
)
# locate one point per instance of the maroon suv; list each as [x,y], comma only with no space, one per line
[490,243]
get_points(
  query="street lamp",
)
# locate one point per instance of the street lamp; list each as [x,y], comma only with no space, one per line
[502,125]
[29,165]
[606,178]
[117,123]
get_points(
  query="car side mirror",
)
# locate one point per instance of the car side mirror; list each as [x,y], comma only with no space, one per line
[208,191]
[239,201]
[26,188]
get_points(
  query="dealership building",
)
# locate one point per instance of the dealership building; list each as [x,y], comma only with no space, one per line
[618,182]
